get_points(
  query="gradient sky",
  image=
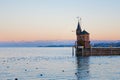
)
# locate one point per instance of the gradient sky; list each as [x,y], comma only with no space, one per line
[31,20]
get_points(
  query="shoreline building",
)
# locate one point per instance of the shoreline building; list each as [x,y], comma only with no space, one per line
[83,47]
[82,37]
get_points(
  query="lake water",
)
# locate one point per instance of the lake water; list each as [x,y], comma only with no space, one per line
[55,64]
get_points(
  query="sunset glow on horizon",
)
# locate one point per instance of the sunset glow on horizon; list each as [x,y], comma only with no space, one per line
[32,20]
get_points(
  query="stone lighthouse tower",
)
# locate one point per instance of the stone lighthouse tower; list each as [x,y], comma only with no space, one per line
[82,37]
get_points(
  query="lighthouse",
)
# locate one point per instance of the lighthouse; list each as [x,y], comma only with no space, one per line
[82,37]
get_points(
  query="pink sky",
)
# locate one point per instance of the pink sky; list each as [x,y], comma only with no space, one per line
[55,20]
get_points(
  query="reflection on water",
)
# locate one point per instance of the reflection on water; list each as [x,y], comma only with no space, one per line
[98,68]
[82,68]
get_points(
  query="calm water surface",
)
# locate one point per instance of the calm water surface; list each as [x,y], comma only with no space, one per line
[55,64]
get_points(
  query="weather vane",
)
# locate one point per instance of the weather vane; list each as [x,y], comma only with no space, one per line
[79,18]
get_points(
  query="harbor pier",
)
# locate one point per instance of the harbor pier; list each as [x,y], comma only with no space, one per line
[84,48]
[97,51]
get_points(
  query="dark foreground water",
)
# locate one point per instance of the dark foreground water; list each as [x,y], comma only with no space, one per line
[55,64]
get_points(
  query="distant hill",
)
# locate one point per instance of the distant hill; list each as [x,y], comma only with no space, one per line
[106,43]
[53,43]
[58,43]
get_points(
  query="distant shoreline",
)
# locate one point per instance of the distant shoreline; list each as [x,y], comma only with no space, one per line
[59,44]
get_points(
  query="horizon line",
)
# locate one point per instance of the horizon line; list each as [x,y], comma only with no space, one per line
[53,40]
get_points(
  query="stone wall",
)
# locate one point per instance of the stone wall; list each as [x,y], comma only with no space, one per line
[98,51]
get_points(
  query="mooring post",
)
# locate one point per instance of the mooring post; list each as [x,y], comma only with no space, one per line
[111,49]
[82,51]
[72,50]
[91,50]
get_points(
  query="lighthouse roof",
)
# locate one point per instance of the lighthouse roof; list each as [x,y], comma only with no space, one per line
[79,27]
[84,32]
[78,30]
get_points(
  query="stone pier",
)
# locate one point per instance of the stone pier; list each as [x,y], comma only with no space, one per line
[97,51]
